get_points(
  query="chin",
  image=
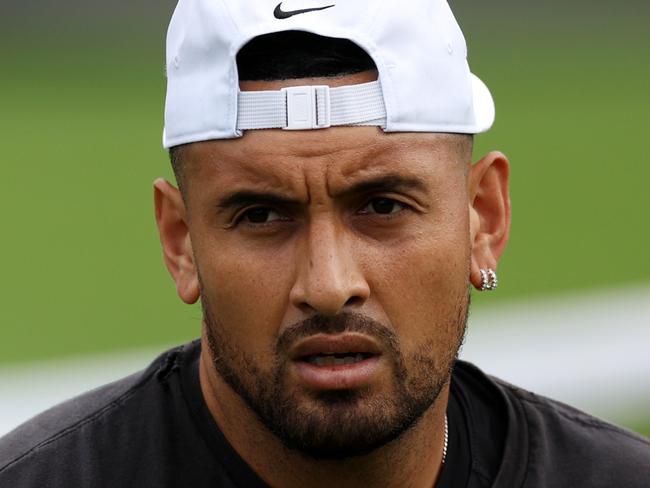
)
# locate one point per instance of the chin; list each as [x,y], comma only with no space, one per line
[344,424]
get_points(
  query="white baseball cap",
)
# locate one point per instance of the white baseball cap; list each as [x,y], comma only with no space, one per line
[424,82]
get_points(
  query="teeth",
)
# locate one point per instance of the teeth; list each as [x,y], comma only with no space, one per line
[335,360]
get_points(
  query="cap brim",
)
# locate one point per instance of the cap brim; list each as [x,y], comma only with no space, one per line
[484,112]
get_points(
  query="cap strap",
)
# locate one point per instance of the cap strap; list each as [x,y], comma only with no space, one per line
[312,107]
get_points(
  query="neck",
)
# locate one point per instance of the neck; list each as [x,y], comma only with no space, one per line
[413,460]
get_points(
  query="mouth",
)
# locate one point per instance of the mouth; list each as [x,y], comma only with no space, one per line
[336,361]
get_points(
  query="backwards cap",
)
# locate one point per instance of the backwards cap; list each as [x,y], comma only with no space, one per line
[424,83]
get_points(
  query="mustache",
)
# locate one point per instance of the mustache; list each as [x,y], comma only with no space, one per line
[337,324]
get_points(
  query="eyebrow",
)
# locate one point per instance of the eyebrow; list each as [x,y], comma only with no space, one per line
[247,197]
[382,183]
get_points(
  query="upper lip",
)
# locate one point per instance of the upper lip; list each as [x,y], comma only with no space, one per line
[334,344]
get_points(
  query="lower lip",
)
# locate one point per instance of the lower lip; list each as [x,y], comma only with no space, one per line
[340,377]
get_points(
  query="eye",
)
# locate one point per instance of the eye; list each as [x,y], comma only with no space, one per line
[383,206]
[260,215]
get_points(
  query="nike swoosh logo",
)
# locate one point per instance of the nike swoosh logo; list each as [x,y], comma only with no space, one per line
[278,13]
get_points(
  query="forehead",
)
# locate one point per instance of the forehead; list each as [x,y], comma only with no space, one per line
[335,156]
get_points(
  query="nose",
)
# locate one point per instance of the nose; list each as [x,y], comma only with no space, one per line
[328,277]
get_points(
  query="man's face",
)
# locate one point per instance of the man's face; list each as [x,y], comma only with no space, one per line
[334,277]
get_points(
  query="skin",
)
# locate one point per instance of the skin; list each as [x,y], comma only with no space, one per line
[402,255]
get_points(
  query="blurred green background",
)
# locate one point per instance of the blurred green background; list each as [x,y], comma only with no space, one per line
[81,99]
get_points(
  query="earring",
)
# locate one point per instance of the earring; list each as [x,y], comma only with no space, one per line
[494,282]
[485,280]
[489,281]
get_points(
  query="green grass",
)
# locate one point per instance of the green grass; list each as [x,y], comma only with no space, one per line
[643,428]
[572,116]
[81,125]
[82,131]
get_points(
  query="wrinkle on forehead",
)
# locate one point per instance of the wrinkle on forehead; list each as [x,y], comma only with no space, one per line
[320,163]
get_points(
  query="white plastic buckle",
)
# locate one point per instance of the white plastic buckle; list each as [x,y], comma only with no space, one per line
[308,107]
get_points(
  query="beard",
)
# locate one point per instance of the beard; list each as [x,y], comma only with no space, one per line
[341,423]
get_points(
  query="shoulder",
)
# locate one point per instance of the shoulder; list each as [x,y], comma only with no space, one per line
[568,447]
[72,432]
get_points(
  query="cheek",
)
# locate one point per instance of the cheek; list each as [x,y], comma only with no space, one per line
[247,297]
[421,283]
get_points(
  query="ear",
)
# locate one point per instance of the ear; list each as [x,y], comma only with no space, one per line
[171,218]
[489,206]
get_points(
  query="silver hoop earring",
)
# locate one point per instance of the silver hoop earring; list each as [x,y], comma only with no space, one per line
[485,280]
[494,282]
[489,281]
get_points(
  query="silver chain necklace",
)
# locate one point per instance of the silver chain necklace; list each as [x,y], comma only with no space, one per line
[444,446]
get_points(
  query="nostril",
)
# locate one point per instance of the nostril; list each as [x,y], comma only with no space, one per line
[354,301]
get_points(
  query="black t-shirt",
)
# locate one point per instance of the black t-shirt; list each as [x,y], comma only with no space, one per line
[153,429]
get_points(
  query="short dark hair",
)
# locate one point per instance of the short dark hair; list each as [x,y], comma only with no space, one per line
[290,55]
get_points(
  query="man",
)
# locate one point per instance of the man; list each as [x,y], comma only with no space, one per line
[330,221]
